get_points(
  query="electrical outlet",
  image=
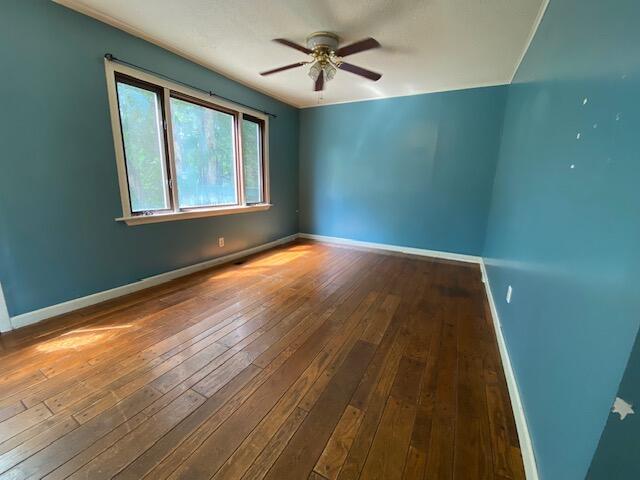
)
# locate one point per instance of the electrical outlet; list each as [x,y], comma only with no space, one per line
[509,292]
[221,241]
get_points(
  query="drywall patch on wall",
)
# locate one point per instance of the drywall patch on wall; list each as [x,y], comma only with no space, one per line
[622,408]
[619,449]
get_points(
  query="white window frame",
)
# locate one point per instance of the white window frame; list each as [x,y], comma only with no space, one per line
[176,213]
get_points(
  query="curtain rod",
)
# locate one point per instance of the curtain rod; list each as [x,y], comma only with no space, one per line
[112,58]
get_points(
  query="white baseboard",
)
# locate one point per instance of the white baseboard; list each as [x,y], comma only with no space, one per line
[393,248]
[5,321]
[526,447]
[36,316]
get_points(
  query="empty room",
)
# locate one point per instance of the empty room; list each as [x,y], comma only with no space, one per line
[319,240]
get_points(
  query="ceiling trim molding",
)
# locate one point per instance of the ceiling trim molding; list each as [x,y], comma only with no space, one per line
[532,34]
[469,86]
[125,27]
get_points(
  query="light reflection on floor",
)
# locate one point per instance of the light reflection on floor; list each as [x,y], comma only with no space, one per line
[79,338]
[82,337]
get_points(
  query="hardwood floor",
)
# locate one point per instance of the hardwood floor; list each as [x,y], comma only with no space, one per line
[307,361]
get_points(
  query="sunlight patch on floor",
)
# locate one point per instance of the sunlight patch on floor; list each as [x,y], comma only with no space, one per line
[97,329]
[70,343]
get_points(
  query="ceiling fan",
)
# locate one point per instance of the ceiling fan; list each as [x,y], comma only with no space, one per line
[327,57]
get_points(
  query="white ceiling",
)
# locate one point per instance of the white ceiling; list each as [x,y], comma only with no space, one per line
[428,45]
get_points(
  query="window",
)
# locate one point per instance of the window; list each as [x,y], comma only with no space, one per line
[143,143]
[204,150]
[252,159]
[181,154]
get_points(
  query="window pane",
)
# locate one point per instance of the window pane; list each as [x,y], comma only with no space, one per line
[204,149]
[252,161]
[141,121]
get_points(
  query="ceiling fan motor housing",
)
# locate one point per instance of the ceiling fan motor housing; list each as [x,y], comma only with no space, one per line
[322,41]
[326,57]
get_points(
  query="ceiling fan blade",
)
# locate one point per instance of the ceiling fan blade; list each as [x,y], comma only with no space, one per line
[281,69]
[361,46]
[363,72]
[291,44]
[319,82]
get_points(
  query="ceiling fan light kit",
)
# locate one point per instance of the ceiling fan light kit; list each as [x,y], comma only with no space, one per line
[326,57]
[327,69]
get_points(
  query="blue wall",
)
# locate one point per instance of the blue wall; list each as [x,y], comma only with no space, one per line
[58,187]
[566,238]
[413,171]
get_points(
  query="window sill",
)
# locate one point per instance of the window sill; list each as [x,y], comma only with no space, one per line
[186,215]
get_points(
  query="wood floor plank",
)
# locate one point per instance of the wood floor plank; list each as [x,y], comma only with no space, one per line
[32,431]
[223,375]
[440,458]
[189,367]
[418,445]
[359,317]
[77,440]
[380,321]
[85,456]
[276,445]
[388,452]
[118,456]
[156,454]
[36,443]
[473,450]
[441,444]
[23,420]
[421,436]
[500,445]
[406,386]
[302,452]
[11,410]
[367,309]
[371,396]
[372,393]
[335,452]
